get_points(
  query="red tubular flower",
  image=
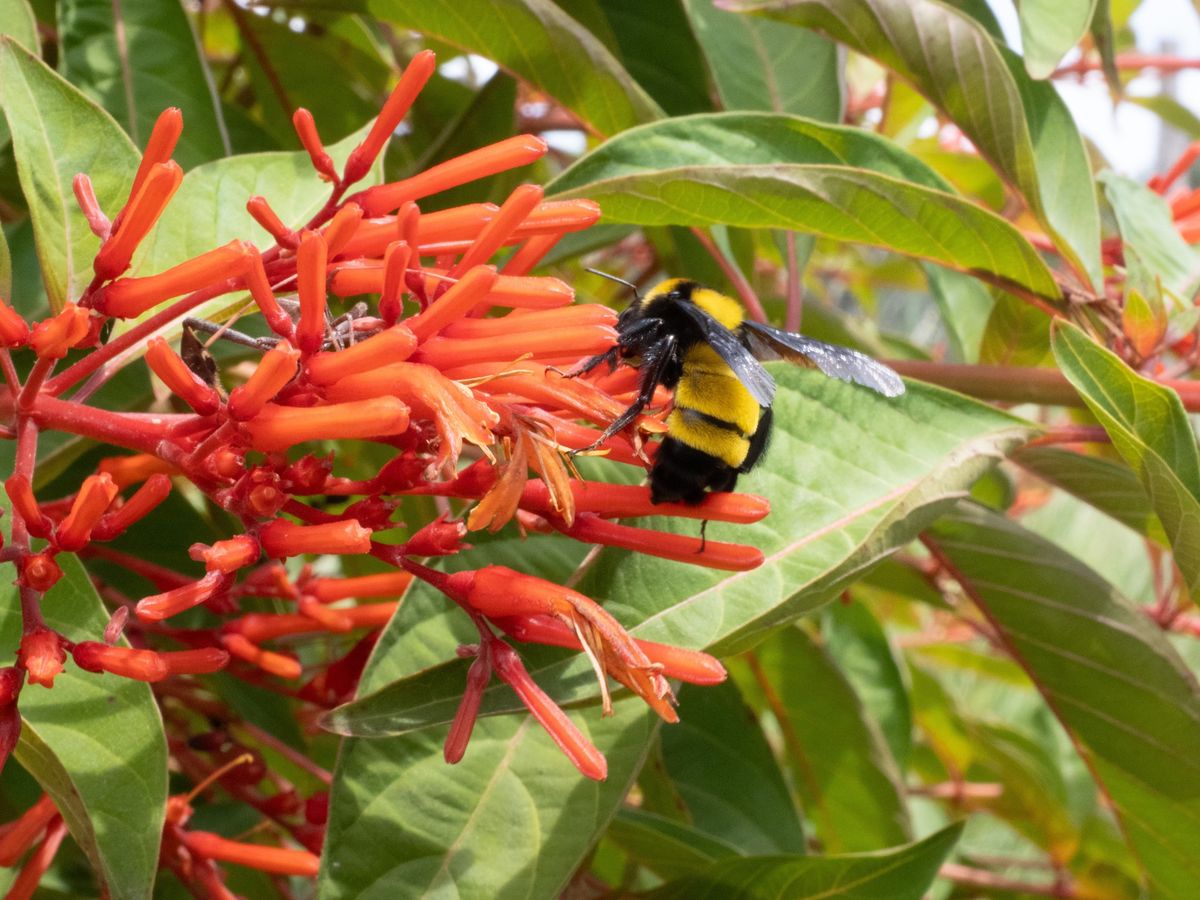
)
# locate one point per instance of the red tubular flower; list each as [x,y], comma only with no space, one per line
[161,144]
[138,217]
[459,736]
[306,130]
[530,254]
[330,620]
[439,538]
[127,470]
[170,603]
[280,427]
[516,209]
[182,381]
[130,297]
[591,529]
[385,584]
[445,353]
[11,680]
[281,538]
[526,322]
[85,196]
[392,345]
[14,330]
[227,556]
[17,837]
[154,491]
[276,368]
[259,627]
[277,860]
[311,259]
[25,505]
[201,661]
[95,495]
[578,749]
[39,571]
[260,289]
[416,74]
[10,731]
[455,303]
[341,228]
[42,655]
[26,883]
[140,665]
[273,663]
[52,338]
[482,163]
[264,215]
[395,269]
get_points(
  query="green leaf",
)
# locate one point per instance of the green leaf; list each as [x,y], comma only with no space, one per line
[1151,431]
[904,873]
[1050,29]
[1022,126]
[540,44]
[5,270]
[95,744]
[760,64]
[18,22]
[57,133]
[136,59]
[1017,334]
[727,775]
[1148,232]
[852,475]
[849,782]
[666,847]
[966,307]
[762,170]
[858,644]
[1106,671]
[677,80]
[1109,486]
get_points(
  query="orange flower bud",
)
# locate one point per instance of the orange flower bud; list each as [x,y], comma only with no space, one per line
[530,254]
[277,860]
[273,663]
[279,427]
[42,655]
[306,130]
[416,74]
[516,209]
[161,144]
[53,337]
[140,665]
[395,270]
[281,538]
[716,554]
[228,555]
[276,368]
[578,749]
[25,505]
[391,346]
[127,470]
[14,330]
[260,289]
[95,496]
[85,196]
[385,584]
[130,297]
[264,215]
[528,321]
[341,228]
[455,303]
[330,620]
[153,492]
[182,381]
[478,677]
[202,661]
[311,259]
[157,607]
[138,217]
[39,571]
[446,353]
[482,163]
[530,293]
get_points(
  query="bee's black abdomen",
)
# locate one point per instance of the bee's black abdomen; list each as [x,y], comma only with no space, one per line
[683,474]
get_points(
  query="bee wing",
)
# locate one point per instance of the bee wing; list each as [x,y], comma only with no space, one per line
[728,346]
[835,361]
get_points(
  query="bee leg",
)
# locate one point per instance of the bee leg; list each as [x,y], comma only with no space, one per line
[654,361]
[703,537]
[191,325]
[609,356]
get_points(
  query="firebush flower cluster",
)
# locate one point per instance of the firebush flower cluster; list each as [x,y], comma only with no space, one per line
[456,358]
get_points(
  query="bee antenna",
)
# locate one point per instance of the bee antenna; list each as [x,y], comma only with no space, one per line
[628,284]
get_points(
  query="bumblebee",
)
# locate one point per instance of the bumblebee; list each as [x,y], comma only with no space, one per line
[698,343]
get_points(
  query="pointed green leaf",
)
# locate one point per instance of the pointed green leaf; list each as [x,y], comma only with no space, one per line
[56,134]
[1106,671]
[1022,126]
[668,848]
[137,58]
[540,44]
[1151,431]
[1148,232]
[1050,29]
[761,170]
[845,774]
[903,873]
[18,22]
[677,81]
[760,64]
[95,743]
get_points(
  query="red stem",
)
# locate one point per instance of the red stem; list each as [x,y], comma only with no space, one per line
[136,432]
[1163,63]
